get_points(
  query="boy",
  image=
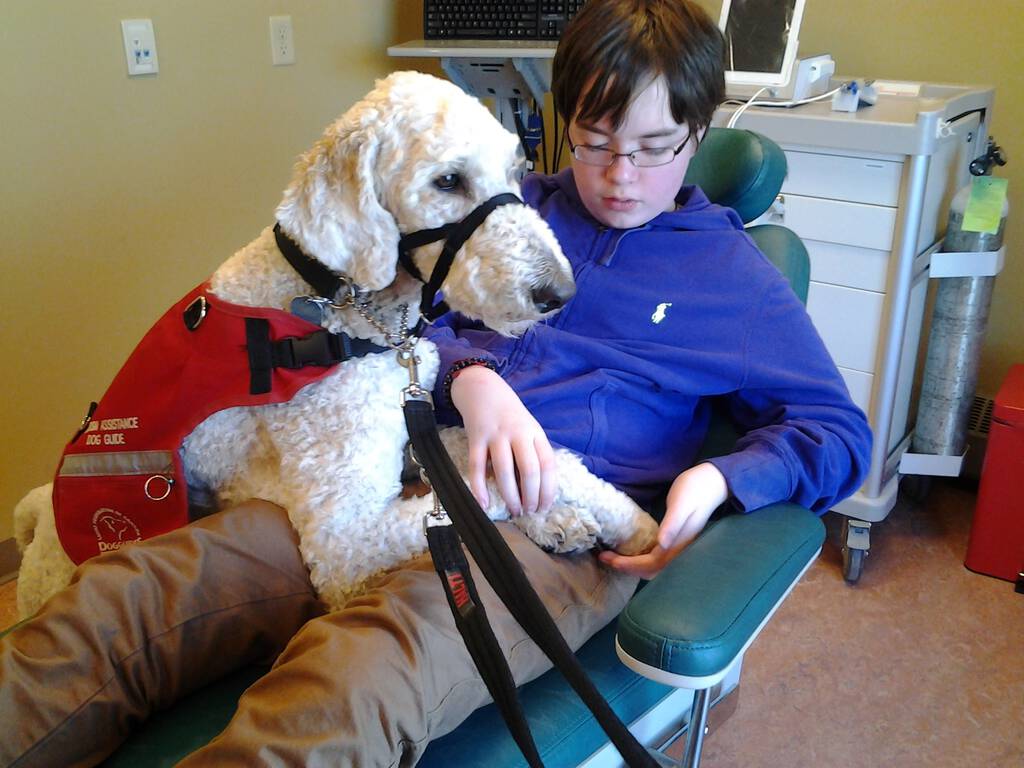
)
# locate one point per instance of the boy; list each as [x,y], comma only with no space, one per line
[674,305]
[622,382]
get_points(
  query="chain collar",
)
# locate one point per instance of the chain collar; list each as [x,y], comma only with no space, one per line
[400,338]
[359,300]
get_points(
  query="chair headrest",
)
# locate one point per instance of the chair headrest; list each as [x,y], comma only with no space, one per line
[741,169]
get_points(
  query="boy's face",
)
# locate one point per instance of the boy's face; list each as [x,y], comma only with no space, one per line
[622,195]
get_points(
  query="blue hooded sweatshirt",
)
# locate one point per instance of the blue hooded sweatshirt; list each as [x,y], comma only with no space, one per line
[666,316]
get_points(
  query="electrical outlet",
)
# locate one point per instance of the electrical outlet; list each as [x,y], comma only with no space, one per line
[282,42]
[139,46]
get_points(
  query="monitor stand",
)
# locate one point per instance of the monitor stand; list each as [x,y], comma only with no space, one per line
[811,76]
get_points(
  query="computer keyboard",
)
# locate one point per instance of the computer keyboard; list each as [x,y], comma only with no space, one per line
[496,20]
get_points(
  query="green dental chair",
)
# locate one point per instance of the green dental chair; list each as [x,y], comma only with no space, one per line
[678,646]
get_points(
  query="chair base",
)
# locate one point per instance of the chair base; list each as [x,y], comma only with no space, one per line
[668,720]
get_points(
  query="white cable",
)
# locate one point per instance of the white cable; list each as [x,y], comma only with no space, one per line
[779,104]
[784,103]
[741,110]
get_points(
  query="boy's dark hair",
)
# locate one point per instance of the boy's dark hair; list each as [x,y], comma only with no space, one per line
[614,48]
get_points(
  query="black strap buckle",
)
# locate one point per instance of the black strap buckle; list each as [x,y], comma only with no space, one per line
[320,348]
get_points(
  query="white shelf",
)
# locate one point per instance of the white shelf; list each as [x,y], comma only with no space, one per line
[504,70]
[469,49]
[931,464]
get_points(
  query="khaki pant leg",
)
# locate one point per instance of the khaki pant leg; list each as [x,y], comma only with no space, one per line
[371,684]
[140,627]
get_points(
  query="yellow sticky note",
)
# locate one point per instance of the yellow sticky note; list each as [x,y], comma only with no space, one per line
[985,205]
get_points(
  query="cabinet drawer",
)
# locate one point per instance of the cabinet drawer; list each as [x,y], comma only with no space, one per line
[836,221]
[863,268]
[849,321]
[859,384]
[855,179]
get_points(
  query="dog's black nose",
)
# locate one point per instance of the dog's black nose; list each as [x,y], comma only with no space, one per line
[548,298]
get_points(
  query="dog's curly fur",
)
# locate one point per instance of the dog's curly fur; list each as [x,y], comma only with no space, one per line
[414,154]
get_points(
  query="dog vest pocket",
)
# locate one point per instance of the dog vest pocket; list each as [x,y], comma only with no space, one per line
[121,477]
[108,500]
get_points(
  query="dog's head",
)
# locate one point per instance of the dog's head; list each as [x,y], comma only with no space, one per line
[418,153]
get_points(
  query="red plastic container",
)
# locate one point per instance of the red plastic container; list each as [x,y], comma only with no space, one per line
[996,544]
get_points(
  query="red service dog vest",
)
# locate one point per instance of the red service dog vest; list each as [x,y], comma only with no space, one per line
[121,478]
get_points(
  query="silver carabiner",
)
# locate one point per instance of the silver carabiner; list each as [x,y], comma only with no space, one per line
[408,360]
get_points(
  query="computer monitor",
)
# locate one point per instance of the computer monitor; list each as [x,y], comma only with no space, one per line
[761,39]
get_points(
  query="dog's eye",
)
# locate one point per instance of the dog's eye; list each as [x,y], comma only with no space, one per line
[449,182]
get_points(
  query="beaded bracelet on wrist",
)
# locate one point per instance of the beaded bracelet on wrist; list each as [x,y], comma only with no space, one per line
[458,367]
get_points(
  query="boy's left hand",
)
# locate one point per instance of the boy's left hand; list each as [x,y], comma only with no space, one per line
[694,495]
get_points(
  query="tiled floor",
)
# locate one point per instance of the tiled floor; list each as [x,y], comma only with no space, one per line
[919,664]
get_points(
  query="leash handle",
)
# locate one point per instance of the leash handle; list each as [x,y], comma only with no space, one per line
[471,620]
[501,569]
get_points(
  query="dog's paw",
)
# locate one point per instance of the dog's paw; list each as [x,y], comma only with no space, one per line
[642,539]
[563,529]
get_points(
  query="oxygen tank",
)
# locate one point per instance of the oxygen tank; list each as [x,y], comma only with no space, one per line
[958,327]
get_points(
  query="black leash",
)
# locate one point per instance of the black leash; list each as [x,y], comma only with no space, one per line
[501,569]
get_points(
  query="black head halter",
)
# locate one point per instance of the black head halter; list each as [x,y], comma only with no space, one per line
[327,283]
[455,236]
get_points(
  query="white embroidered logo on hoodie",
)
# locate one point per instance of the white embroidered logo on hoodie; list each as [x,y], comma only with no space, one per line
[659,312]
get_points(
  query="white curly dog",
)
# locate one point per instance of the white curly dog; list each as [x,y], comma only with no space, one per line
[415,153]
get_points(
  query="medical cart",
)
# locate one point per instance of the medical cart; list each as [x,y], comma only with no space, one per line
[868,192]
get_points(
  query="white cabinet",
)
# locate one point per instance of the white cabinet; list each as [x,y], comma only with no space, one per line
[868,192]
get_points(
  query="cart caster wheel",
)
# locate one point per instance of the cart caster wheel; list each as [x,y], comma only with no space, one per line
[856,543]
[853,564]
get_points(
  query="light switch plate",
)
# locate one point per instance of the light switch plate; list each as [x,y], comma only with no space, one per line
[282,41]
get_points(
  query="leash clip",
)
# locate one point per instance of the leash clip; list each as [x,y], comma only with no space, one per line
[436,519]
[415,391]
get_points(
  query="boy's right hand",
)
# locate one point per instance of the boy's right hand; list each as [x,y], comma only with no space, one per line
[501,432]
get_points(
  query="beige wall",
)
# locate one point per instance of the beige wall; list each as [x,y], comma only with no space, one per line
[120,194]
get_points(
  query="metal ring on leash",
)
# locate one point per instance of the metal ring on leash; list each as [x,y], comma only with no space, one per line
[167,490]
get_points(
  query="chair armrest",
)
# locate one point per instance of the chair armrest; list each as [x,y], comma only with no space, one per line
[689,625]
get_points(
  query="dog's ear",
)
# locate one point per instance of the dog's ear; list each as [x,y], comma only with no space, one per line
[333,210]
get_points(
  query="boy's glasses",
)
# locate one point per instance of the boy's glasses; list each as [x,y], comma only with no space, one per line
[650,157]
